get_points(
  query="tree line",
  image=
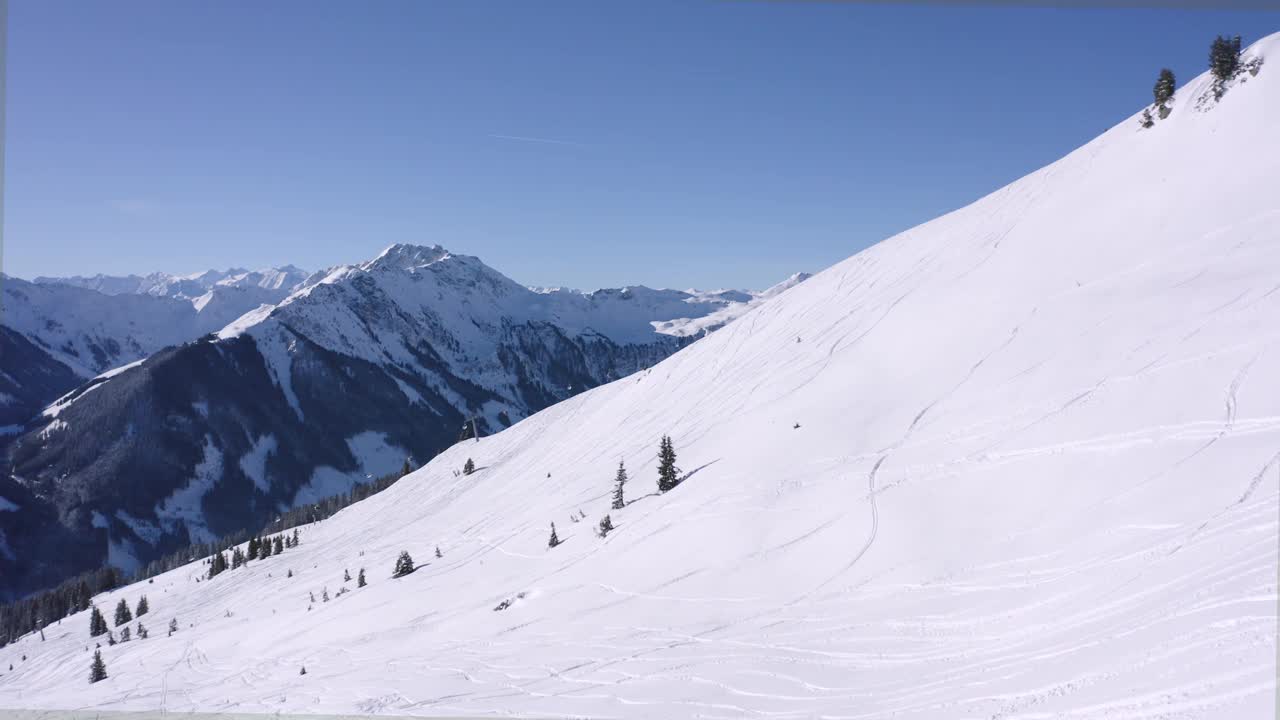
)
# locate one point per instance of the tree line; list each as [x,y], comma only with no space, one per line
[39,610]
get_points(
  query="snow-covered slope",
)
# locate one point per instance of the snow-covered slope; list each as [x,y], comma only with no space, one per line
[1035,474]
[732,310]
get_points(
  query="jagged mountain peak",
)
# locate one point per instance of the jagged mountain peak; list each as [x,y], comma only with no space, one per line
[405,256]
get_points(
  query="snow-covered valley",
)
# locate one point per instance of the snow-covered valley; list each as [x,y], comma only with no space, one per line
[1020,462]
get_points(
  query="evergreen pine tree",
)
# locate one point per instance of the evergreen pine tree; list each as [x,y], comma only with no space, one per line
[217,565]
[668,473]
[619,501]
[253,548]
[1224,60]
[606,526]
[468,467]
[142,631]
[173,626]
[279,548]
[122,613]
[1166,85]
[346,575]
[303,671]
[295,537]
[325,595]
[111,637]
[98,670]
[360,581]
[97,623]
[554,540]
[408,468]
[264,548]
[143,607]
[1146,120]
[404,564]
[125,634]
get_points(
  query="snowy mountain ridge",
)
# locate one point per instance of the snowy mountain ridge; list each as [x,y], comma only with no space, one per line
[219,430]
[185,287]
[1019,462]
[470,306]
[67,319]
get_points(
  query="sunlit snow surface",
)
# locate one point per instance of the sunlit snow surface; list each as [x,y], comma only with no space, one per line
[1036,475]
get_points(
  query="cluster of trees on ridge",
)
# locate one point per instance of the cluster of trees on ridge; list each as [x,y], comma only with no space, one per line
[1224,64]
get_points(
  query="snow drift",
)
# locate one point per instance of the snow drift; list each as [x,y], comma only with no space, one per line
[1035,474]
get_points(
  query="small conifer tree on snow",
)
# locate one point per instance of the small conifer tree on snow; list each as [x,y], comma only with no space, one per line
[619,500]
[173,626]
[98,669]
[143,607]
[555,539]
[346,575]
[1224,57]
[468,467]
[438,553]
[122,613]
[360,581]
[1165,86]
[668,473]
[97,623]
[606,526]
[404,564]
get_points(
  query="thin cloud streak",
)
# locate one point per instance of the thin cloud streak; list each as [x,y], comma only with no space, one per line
[544,141]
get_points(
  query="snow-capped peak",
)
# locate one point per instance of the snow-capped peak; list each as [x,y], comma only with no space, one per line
[403,256]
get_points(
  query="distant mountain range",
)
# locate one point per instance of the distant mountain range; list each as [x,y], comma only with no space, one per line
[281,280]
[193,406]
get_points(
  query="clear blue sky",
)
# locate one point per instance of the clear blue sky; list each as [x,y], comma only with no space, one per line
[589,143]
